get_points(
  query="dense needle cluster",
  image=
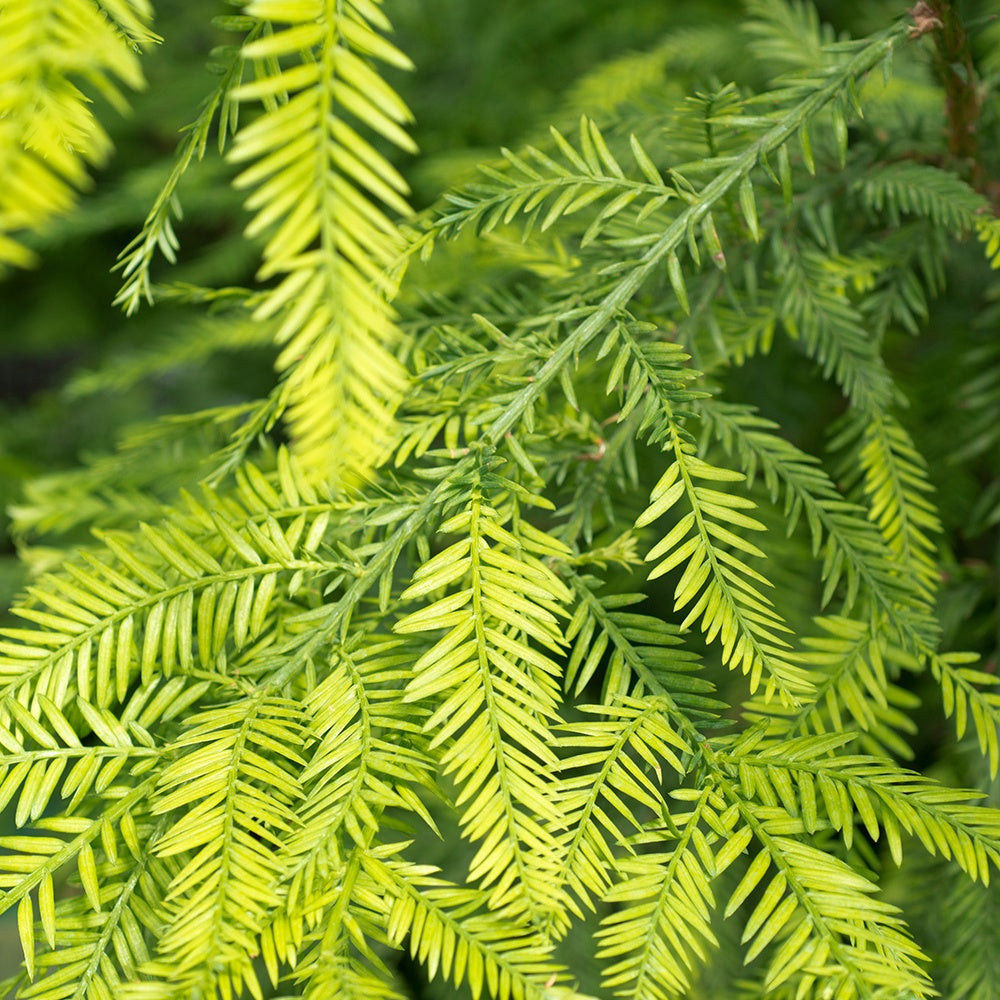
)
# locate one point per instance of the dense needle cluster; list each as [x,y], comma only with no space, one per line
[517,640]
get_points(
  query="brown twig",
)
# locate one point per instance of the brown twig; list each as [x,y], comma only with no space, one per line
[956,70]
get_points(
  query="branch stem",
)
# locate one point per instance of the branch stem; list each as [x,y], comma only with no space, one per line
[955,68]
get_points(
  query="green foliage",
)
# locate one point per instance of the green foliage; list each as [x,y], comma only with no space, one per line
[521,617]
[49,135]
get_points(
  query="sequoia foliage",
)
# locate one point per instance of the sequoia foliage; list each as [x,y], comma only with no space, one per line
[602,597]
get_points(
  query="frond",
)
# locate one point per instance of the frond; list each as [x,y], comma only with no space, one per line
[49,136]
[644,654]
[717,585]
[664,932]
[817,313]
[787,35]
[338,957]
[969,692]
[184,595]
[607,771]
[650,372]
[892,476]
[333,972]
[850,663]
[491,685]
[89,848]
[818,920]
[240,721]
[229,793]
[899,273]
[320,192]
[78,945]
[962,926]
[855,558]
[140,480]
[905,188]
[715,582]
[158,233]
[367,755]
[547,190]
[693,226]
[455,933]
[801,777]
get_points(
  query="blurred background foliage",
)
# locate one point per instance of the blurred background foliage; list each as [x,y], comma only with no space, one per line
[73,368]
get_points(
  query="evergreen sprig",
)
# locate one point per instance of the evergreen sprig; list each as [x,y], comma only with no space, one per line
[49,135]
[521,619]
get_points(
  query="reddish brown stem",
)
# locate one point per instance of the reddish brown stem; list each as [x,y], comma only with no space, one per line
[963,98]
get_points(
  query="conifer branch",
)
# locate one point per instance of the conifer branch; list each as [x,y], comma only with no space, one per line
[237,716]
